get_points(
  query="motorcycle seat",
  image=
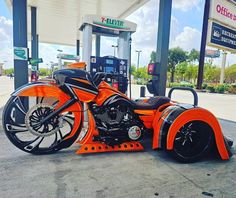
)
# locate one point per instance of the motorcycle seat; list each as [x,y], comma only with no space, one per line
[151,103]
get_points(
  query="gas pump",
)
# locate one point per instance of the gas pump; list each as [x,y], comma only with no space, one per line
[117,67]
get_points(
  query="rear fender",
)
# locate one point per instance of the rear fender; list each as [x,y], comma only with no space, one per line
[201,115]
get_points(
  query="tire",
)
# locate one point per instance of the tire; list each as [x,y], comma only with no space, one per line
[192,141]
[23,128]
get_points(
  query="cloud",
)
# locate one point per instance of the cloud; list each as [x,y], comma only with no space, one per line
[49,52]
[145,38]
[6,41]
[188,39]
[5,31]
[174,30]
[185,5]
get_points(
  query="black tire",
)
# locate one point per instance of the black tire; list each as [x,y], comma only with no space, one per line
[17,131]
[192,141]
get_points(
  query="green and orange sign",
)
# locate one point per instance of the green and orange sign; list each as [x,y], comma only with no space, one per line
[111,23]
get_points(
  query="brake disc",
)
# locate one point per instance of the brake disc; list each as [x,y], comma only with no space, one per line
[35,115]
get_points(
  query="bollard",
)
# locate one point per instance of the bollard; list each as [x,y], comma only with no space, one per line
[142,91]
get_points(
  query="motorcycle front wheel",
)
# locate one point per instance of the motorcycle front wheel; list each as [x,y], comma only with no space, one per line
[22,124]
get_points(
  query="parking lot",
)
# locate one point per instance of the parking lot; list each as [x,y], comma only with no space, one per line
[135,174]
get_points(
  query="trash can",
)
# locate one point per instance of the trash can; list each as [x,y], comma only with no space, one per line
[142,91]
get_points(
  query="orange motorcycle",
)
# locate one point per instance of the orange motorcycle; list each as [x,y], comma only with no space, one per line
[45,117]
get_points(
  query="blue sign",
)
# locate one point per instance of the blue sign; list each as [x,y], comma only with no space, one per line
[223,36]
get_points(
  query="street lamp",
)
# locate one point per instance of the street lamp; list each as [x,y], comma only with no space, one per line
[114,46]
[59,58]
[138,51]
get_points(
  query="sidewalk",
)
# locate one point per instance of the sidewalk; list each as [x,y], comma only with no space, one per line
[221,105]
[6,88]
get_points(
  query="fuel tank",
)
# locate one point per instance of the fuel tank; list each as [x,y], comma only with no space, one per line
[78,82]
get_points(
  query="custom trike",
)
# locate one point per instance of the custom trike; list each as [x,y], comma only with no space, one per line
[45,117]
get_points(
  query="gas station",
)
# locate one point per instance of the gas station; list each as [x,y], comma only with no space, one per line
[81,24]
[108,27]
[36,20]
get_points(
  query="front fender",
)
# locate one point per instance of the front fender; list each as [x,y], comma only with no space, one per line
[40,89]
[201,115]
[48,89]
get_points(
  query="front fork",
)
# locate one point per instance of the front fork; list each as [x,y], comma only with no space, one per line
[59,110]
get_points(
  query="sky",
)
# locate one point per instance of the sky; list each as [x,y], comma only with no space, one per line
[186,25]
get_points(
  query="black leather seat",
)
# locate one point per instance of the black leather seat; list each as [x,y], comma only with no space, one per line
[152,103]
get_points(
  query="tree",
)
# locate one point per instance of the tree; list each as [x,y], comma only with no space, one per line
[176,55]
[230,74]
[211,73]
[133,70]
[44,71]
[9,71]
[191,73]
[181,69]
[142,75]
[193,55]
[153,57]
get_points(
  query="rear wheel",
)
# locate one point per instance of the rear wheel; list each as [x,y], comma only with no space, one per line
[192,141]
[23,127]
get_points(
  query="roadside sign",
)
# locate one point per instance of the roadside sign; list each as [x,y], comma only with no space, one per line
[68,57]
[224,12]
[221,36]
[105,23]
[34,61]
[20,53]
[212,53]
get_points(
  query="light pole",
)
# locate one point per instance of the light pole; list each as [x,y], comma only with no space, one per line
[114,46]
[222,73]
[59,58]
[138,51]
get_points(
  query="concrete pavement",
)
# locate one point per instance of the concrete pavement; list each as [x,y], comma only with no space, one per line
[135,174]
[6,88]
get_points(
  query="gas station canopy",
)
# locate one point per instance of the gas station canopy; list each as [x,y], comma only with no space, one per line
[58,21]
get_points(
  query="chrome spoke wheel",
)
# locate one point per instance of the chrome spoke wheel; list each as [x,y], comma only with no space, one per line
[22,122]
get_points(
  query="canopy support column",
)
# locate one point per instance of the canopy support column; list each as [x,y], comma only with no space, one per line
[20,41]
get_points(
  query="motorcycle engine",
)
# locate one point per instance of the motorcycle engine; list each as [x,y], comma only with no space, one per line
[117,122]
[111,116]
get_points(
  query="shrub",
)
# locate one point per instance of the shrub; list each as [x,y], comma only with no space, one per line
[204,86]
[210,88]
[220,88]
[232,89]
[175,84]
[141,82]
